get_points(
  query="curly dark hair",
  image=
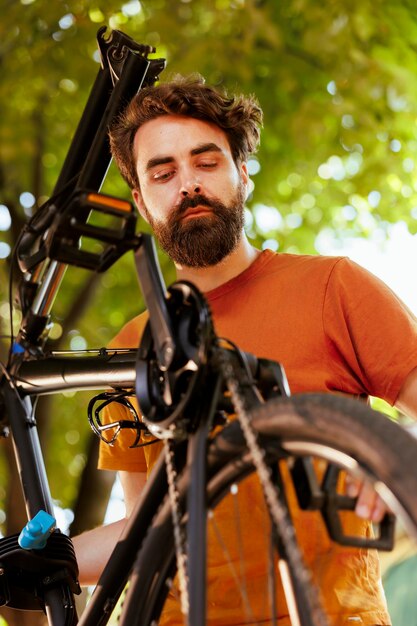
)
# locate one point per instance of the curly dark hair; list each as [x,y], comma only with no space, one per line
[240,117]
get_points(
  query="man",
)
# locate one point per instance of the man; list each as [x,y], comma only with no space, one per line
[183,147]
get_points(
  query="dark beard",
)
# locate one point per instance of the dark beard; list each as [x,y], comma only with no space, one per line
[201,241]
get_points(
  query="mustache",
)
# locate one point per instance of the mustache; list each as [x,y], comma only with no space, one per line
[190,202]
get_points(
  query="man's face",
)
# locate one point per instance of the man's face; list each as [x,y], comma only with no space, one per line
[191,191]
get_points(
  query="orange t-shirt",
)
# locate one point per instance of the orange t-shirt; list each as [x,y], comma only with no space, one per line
[335,328]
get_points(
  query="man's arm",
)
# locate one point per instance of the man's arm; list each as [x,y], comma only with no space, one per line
[94,547]
[369,504]
[132,485]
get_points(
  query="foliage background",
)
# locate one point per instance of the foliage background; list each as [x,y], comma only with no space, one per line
[337,82]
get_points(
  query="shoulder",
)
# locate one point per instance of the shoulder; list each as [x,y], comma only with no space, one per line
[335,277]
[287,259]
[335,269]
[348,274]
[355,287]
[304,264]
[333,272]
[130,334]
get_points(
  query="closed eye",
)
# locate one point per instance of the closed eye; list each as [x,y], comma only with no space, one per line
[208,165]
[163,176]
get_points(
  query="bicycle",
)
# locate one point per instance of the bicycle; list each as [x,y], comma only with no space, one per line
[251,434]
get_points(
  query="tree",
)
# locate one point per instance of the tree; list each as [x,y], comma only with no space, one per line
[336,83]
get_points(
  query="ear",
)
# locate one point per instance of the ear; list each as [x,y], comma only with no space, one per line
[137,197]
[244,177]
[244,173]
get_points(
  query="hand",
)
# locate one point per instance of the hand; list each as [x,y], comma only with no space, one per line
[369,505]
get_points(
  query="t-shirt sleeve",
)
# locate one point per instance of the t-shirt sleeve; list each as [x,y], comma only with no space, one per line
[371,332]
[120,456]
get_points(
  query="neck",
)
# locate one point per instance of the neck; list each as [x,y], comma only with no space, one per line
[209,278]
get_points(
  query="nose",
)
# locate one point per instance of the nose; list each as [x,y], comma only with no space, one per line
[190,187]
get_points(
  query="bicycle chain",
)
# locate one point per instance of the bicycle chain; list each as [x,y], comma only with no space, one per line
[179,539]
[276,509]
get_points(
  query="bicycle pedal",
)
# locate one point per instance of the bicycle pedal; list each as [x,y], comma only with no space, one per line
[86,235]
[312,496]
[336,503]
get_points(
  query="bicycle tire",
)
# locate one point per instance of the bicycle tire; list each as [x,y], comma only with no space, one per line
[335,425]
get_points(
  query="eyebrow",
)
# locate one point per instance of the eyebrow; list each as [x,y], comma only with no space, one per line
[200,149]
[206,147]
[158,161]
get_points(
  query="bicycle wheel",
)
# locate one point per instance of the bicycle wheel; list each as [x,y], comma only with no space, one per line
[242,576]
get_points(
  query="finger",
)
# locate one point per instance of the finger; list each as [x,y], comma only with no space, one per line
[380,508]
[366,502]
[352,486]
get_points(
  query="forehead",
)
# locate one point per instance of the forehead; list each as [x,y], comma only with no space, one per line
[176,136]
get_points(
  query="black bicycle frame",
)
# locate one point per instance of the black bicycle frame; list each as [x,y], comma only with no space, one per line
[103,370]
[125,69]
